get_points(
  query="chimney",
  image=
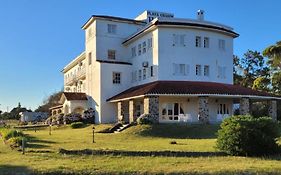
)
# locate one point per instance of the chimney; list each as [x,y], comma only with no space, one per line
[200,15]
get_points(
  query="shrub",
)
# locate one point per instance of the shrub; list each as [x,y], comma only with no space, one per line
[77,125]
[71,118]
[17,141]
[10,133]
[248,136]
[145,119]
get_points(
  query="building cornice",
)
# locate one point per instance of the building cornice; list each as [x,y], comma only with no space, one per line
[187,24]
[74,62]
[111,18]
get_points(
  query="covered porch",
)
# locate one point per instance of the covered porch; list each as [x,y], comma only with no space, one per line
[173,102]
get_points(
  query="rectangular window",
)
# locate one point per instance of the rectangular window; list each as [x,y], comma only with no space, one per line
[90,58]
[116,77]
[198,41]
[151,71]
[144,73]
[134,52]
[206,70]
[149,41]
[178,40]
[111,54]
[139,49]
[198,70]
[221,72]
[111,28]
[144,47]
[206,42]
[139,75]
[182,69]
[221,44]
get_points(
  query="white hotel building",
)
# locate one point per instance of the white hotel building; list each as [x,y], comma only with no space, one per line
[172,68]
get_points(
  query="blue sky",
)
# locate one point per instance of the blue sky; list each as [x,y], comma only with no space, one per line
[38,38]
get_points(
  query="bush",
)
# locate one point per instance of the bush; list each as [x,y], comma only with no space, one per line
[145,119]
[248,136]
[77,125]
[17,141]
[71,118]
[10,133]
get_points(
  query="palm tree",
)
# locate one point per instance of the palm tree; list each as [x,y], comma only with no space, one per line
[273,52]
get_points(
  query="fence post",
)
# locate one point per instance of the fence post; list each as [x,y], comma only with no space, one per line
[22,145]
[50,129]
[93,134]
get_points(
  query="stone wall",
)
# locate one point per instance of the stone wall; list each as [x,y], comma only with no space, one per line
[123,111]
[244,106]
[272,109]
[203,114]
[151,106]
[132,111]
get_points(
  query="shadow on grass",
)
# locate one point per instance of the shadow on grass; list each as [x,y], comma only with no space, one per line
[34,142]
[181,131]
[12,169]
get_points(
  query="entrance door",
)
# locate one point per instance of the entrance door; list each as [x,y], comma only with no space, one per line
[171,111]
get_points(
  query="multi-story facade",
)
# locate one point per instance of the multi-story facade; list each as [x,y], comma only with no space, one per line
[174,69]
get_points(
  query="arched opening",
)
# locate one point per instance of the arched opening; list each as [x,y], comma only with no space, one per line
[78,110]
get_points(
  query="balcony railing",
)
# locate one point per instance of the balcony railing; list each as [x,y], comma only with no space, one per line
[80,75]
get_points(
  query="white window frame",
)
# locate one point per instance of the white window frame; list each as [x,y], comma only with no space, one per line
[144,47]
[206,70]
[134,51]
[221,44]
[206,42]
[116,77]
[198,41]
[198,70]
[111,54]
[112,28]
[139,49]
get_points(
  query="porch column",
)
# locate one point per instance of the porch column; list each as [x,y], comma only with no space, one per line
[203,114]
[151,106]
[123,111]
[244,106]
[272,109]
[132,111]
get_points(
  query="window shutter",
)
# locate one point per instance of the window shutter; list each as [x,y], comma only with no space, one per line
[182,40]
[174,68]
[187,69]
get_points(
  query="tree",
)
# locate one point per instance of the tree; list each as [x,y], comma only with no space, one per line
[14,113]
[261,83]
[250,67]
[276,83]
[273,53]
[50,101]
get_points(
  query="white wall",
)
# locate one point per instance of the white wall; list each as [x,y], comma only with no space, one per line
[108,111]
[151,56]
[189,54]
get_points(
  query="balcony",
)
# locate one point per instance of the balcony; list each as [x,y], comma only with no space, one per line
[80,75]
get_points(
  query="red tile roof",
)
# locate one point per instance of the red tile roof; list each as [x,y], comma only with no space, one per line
[188,88]
[75,96]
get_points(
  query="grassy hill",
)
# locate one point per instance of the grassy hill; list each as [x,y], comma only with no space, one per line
[42,154]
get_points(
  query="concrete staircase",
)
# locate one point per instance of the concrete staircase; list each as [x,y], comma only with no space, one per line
[119,127]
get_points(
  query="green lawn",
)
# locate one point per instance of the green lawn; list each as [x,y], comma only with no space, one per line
[194,138]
